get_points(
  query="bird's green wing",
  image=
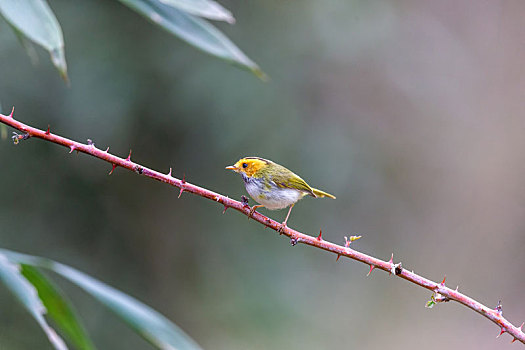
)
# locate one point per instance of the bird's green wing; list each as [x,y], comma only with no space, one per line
[285,178]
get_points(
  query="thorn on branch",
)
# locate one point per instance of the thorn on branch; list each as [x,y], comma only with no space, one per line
[501,332]
[444,279]
[338,256]
[371,268]
[47,132]
[225,208]
[72,148]
[19,137]
[129,157]
[12,114]
[91,143]
[113,169]
[320,238]
[107,150]
[391,259]
[169,174]
[183,181]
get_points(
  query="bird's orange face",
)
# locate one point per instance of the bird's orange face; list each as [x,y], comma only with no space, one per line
[251,166]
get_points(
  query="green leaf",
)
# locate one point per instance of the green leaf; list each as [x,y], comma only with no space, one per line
[59,309]
[25,292]
[194,31]
[35,21]
[430,304]
[154,327]
[202,8]
[27,45]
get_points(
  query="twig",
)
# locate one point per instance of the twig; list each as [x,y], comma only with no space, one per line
[441,293]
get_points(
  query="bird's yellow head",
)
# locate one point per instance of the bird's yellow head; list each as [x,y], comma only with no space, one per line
[251,166]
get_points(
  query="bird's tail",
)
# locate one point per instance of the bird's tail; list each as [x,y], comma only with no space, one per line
[321,194]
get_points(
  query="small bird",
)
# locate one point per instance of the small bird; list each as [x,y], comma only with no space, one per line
[272,185]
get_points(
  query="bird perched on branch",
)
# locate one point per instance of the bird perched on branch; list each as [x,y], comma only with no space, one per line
[272,185]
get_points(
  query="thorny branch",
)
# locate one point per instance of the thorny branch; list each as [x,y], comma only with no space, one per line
[440,292]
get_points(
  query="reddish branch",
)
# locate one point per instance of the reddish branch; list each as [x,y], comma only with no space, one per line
[441,293]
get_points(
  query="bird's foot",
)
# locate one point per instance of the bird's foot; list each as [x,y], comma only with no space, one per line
[283,225]
[253,209]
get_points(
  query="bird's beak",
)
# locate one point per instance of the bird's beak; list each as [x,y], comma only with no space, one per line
[232,167]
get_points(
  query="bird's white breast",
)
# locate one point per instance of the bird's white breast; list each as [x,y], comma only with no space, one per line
[274,197]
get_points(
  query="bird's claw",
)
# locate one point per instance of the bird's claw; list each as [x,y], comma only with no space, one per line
[281,228]
[252,210]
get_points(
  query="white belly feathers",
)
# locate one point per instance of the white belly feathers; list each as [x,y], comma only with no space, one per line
[274,198]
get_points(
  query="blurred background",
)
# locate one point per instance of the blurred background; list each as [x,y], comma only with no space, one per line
[410,112]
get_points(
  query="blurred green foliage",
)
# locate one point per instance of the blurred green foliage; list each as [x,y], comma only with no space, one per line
[27,295]
[33,21]
[154,327]
[411,113]
[58,307]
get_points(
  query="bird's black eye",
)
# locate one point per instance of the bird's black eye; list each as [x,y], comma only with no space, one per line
[244,165]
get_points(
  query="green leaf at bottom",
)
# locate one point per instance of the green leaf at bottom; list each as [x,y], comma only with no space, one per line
[59,309]
[153,326]
[12,278]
